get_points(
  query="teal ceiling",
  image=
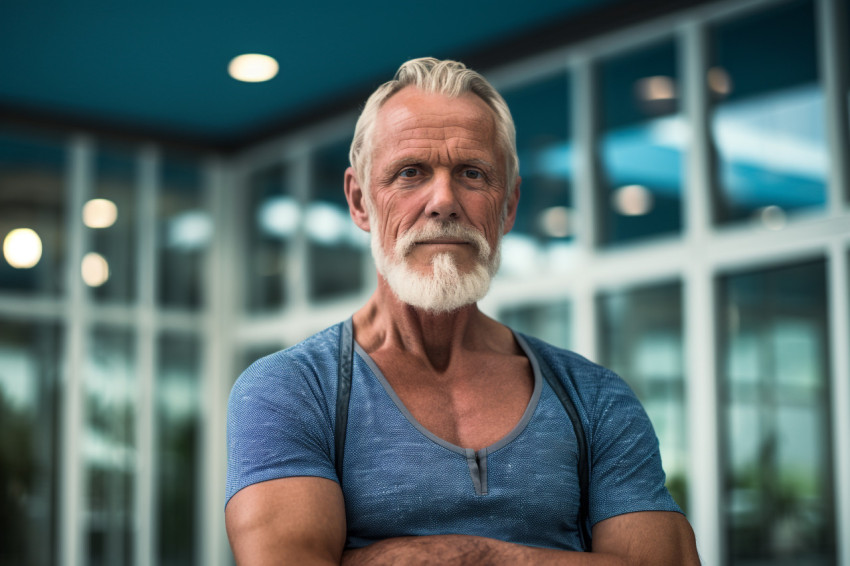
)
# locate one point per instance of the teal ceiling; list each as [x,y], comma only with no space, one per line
[161,67]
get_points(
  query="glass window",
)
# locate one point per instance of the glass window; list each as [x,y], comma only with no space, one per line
[29,448]
[768,119]
[641,143]
[547,321]
[32,215]
[247,355]
[545,222]
[778,495]
[275,216]
[109,267]
[178,394]
[641,340]
[185,233]
[109,446]
[337,245]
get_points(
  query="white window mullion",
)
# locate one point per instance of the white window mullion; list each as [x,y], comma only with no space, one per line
[299,181]
[839,321]
[831,18]
[146,277]
[583,112]
[218,355]
[73,489]
[704,489]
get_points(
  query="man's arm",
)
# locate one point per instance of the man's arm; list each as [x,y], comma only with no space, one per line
[651,538]
[298,521]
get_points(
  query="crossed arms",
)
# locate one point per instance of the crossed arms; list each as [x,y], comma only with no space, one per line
[301,521]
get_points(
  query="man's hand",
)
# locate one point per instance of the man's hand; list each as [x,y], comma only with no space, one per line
[296,521]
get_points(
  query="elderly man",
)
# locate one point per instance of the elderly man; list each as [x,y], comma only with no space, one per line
[421,431]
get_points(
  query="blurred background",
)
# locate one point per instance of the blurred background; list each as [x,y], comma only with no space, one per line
[684,219]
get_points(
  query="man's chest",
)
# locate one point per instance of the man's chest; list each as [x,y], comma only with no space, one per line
[473,406]
[400,479]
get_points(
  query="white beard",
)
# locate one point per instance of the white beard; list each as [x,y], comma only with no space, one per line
[446,289]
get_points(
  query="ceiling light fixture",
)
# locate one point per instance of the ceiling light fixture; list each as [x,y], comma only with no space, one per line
[253,68]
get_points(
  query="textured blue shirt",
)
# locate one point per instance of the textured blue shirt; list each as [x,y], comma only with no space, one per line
[400,480]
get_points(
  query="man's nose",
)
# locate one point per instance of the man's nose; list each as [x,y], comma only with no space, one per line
[442,201]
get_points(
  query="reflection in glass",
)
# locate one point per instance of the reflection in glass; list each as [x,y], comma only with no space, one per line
[29,451]
[775,379]
[545,222]
[337,245]
[32,199]
[547,321]
[110,215]
[185,233]
[275,216]
[178,448]
[641,144]
[641,340]
[109,446]
[768,119]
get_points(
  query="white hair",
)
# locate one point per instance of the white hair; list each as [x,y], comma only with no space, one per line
[449,78]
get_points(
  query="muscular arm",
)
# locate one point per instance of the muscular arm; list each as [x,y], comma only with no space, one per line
[645,538]
[298,521]
[301,520]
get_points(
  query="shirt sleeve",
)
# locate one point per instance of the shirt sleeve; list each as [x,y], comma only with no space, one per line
[278,423]
[626,471]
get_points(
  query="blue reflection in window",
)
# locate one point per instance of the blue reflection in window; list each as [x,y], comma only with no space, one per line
[275,215]
[545,221]
[641,145]
[768,121]
[336,245]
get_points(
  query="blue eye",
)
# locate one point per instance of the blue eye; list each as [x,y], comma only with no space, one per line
[409,172]
[472,174]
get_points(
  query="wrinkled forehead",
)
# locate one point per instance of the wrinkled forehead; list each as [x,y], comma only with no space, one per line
[414,117]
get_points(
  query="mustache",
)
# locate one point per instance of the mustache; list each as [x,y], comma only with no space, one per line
[436,229]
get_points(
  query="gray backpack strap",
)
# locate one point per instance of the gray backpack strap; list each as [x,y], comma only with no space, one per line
[343,391]
[581,439]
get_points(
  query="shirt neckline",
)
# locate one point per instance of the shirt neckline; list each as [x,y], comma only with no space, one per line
[504,441]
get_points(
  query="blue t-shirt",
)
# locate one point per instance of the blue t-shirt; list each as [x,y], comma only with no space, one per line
[401,480]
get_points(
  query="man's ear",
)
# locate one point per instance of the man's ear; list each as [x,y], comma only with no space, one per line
[356,200]
[510,217]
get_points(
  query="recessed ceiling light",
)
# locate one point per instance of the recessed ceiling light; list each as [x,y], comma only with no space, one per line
[253,68]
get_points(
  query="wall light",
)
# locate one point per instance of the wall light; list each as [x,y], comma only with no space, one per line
[719,81]
[22,248]
[94,269]
[253,68]
[100,213]
[556,221]
[632,200]
[658,87]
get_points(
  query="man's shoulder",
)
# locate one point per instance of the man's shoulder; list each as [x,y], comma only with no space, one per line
[315,356]
[589,382]
[562,359]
